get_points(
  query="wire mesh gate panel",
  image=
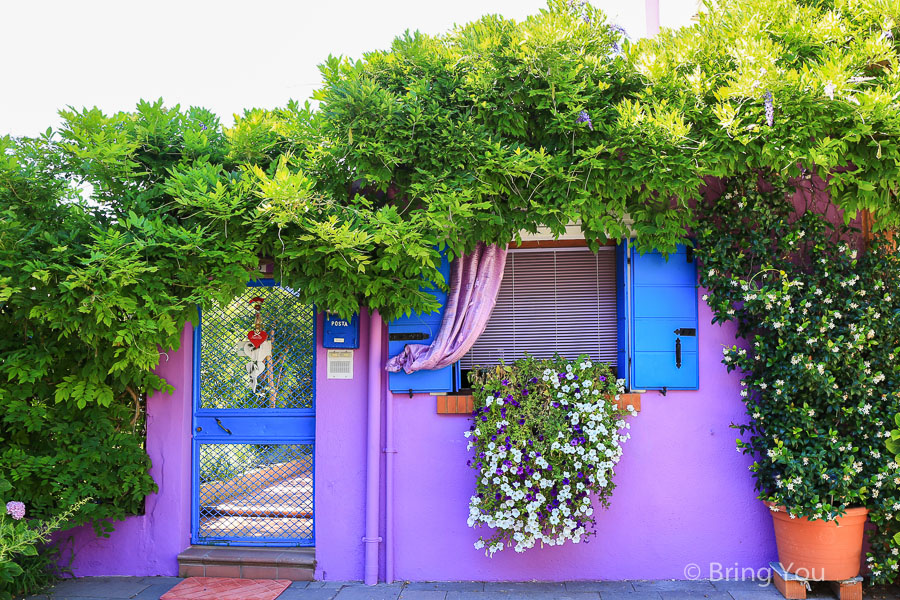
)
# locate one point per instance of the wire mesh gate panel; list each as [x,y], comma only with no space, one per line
[254,422]
[288,378]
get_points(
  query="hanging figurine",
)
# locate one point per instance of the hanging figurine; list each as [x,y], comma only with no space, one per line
[257,347]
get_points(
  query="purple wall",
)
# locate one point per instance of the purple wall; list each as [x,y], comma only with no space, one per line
[341,465]
[684,494]
[148,544]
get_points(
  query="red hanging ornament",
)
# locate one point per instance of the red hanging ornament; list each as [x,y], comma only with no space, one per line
[257,335]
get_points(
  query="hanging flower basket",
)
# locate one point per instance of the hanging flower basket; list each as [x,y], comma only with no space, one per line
[547,435]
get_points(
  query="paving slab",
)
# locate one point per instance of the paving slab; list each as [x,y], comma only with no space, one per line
[750,585]
[100,587]
[408,594]
[599,586]
[710,594]
[447,586]
[672,585]
[154,591]
[55,597]
[524,595]
[524,586]
[381,591]
[629,596]
[309,594]
[767,594]
[151,588]
[334,585]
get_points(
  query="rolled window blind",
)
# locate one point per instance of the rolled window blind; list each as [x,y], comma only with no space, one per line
[552,301]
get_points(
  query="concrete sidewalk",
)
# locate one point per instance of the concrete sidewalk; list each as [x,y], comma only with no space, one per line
[151,588]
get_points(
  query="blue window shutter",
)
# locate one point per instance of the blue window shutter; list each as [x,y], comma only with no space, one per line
[623,295]
[664,309]
[423,328]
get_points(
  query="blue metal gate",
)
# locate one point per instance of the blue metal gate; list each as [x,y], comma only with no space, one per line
[254,421]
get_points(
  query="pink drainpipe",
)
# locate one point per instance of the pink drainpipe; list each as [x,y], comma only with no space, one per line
[373,456]
[389,452]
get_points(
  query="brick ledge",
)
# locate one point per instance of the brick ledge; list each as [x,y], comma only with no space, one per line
[295,564]
[464,404]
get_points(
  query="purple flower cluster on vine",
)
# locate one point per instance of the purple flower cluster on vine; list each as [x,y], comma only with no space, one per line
[619,32]
[584,117]
[579,9]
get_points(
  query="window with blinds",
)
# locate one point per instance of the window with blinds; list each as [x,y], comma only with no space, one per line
[552,301]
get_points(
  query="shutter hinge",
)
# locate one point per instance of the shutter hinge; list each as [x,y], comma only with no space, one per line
[664,390]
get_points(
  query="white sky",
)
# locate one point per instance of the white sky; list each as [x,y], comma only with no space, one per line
[224,55]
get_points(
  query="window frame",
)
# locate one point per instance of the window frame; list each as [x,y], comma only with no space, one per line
[460,386]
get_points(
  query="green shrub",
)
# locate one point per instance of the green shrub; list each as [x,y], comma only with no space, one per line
[893,443]
[56,454]
[820,361]
[27,563]
[238,459]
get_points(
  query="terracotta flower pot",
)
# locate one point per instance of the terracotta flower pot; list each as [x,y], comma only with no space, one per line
[821,550]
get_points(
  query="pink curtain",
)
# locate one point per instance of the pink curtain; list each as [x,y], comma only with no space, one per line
[474,282]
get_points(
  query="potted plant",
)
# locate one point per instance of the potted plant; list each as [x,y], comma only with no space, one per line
[819,355]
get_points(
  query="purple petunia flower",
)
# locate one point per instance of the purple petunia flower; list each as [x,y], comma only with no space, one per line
[584,117]
[770,108]
[504,382]
[16,510]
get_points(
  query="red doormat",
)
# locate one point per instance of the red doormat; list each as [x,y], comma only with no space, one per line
[226,588]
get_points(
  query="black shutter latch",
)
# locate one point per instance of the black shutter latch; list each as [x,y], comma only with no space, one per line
[405,337]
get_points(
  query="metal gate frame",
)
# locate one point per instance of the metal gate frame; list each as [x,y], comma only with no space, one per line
[293,426]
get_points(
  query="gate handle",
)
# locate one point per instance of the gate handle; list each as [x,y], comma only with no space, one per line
[225,429]
[677,353]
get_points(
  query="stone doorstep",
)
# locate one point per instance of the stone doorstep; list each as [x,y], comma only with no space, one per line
[295,564]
